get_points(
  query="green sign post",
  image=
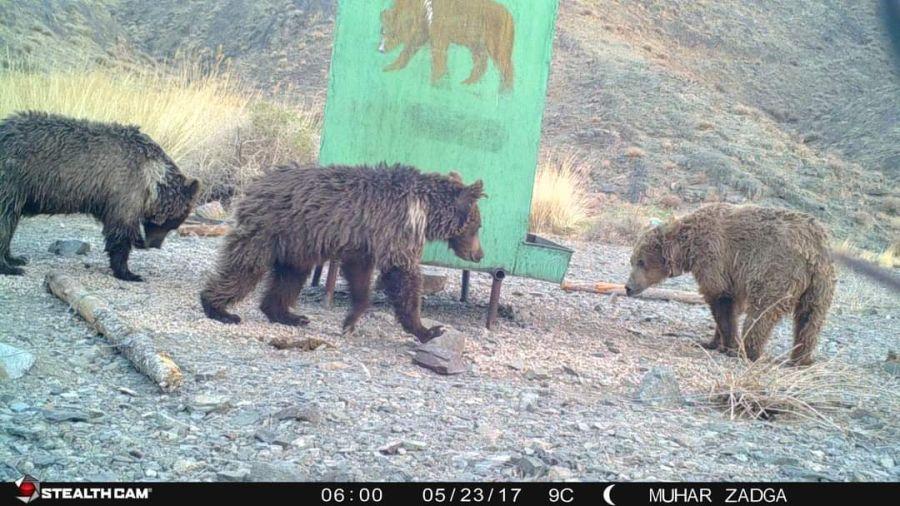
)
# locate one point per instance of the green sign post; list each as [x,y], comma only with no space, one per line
[450,85]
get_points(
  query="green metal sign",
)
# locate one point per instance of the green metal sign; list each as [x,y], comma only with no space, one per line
[450,85]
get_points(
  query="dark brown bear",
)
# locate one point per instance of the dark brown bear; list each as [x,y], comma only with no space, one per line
[295,218]
[746,259]
[51,164]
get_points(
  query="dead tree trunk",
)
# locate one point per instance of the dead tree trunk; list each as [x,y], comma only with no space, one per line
[138,347]
[650,293]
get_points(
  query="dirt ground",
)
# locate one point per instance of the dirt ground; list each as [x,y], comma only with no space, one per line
[550,394]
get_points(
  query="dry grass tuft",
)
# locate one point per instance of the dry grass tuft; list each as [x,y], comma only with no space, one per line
[614,221]
[560,203]
[766,389]
[889,258]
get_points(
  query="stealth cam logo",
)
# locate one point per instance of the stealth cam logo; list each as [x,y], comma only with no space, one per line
[29,488]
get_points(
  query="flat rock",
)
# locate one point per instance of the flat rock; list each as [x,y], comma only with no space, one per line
[212,211]
[265,472]
[238,475]
[659,387]
[210,403]
[309,414]
[66,415]
[443,354]
[69,248]
[14,362]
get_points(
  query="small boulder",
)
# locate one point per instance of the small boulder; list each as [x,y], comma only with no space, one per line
[659,387]
[211,212]
[69,248]
[443,354]
[14,362]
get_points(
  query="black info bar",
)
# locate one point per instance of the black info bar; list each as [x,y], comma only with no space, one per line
[614,494]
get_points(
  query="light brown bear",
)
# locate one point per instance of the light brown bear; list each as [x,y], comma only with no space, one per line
[746,259]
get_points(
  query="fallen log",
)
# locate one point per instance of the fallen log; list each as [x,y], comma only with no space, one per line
[203,230]
[136,346]
[650,293]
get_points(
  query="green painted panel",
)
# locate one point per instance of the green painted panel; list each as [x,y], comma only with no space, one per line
[488,128]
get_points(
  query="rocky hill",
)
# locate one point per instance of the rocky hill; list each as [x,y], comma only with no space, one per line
[784,103]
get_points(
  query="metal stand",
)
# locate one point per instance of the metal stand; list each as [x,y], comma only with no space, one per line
[494,304]
[317,275]
[330,281]
[464,291]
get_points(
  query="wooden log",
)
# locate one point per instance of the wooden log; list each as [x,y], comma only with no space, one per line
[203,230]
[138,347]
[650,293]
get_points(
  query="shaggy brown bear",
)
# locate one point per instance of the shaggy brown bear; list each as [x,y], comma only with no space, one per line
[295,218]
[485,27]
[51,164]
[746,259]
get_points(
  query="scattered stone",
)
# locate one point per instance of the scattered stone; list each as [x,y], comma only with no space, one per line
[892,364]
[210,403]
[309,414]
[14,362]
[66,415]
[246,417]
[333,366]
[238,475]
[18,407]
[659,387]
[559,473]
[44,459]
[530,467]
[69,248]
[212,211]
[265,472]
[183,466]
[442,354]
[887,462]
[127,391]
[528,401]
[391,448]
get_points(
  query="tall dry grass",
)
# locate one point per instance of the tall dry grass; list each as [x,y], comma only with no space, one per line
[771,388]
[212,125]
[559,204]
[183,109]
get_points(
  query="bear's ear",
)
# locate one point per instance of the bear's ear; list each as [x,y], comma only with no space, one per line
[192,188]
[454,176]
[467,197]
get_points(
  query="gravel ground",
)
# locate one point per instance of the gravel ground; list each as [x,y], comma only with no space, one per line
[550,394]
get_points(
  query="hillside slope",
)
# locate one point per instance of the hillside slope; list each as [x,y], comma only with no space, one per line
[784,103]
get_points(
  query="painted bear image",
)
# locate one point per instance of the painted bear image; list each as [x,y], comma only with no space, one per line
[485,27]
[746,259]
[297,217]
[51,164]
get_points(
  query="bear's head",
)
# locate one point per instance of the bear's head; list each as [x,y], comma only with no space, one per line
[402,23]
[464,240]
[175,197]
[653,259]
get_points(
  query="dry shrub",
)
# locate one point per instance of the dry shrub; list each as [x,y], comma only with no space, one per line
[770,388]
[559,203]
[617,222]
[889,258]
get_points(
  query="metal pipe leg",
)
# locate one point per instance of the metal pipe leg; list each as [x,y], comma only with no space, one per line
[317,275]
[330,282]
[464,291]
[495,298]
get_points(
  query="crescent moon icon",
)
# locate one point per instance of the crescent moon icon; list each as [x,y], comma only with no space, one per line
[606,495]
